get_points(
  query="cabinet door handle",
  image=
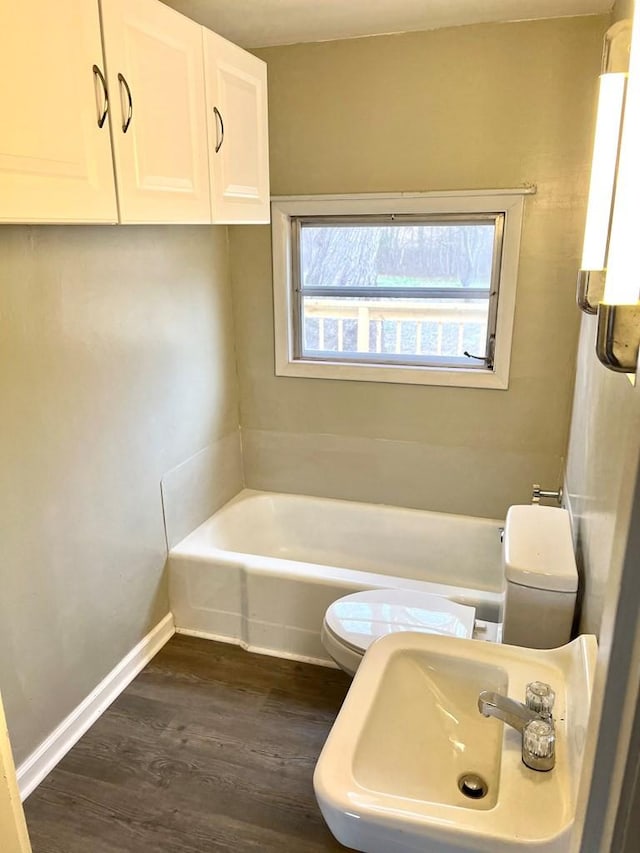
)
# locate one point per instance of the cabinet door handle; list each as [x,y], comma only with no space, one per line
[219,127]
[126,121]
[105,108]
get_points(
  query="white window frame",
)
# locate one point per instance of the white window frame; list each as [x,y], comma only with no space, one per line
[508,202]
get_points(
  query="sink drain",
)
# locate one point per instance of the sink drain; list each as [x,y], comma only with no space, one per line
[473,786]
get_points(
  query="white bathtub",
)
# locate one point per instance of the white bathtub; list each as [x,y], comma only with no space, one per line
[262,571]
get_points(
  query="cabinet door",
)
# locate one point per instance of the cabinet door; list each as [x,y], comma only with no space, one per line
[55,161]
[156,80]
[238,132]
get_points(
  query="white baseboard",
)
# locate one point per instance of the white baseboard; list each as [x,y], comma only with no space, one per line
[45,757]
[257,650]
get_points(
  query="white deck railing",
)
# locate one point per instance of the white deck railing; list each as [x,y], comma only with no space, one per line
[457,312]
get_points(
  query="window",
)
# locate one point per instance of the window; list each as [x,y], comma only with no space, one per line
[413,289]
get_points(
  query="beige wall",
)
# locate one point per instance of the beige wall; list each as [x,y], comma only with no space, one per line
[603,454]
[602,461]
[602,480]
[116,365]
[472,107]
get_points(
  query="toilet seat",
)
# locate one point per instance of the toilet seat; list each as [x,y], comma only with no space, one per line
[352,623]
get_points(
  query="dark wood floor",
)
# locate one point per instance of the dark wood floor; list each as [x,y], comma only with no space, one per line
[209,749]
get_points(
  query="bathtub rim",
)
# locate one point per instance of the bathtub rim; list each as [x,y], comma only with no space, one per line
[242,625]
[246,494]
[192,544]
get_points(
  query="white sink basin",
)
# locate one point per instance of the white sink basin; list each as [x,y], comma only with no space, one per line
[387,778]
[425,716]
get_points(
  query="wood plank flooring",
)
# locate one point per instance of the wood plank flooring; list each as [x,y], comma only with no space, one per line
[209,749]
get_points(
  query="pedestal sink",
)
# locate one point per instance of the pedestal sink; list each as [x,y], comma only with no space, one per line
[391,777]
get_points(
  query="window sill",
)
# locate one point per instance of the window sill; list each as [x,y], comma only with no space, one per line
[403,374]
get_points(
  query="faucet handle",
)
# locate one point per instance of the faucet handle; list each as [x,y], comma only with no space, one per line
[539,745]
[540,697]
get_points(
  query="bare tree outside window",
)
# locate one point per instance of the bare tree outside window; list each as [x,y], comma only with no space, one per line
[414,291]
[402,256]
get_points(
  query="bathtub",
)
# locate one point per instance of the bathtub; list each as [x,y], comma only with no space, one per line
[262,571]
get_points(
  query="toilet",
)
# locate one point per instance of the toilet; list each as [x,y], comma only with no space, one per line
[539,597]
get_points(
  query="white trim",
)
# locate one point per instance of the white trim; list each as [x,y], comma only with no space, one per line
[13,829]
[507,201]
[257,650]
[403,374]
[45,757]
[527,189]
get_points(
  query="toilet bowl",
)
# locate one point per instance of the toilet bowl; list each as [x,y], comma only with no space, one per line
[539,594]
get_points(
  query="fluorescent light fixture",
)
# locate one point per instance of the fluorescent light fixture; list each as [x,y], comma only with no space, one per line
[601,190]
[623,276]
[618,335]
[603,171]
[604,165]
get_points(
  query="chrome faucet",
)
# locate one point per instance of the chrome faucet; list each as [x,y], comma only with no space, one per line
[535,726]
[514,714]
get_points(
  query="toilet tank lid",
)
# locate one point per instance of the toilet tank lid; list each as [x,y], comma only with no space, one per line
[538,548]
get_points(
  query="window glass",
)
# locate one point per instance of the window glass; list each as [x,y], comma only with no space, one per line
[455,255]
[397,291]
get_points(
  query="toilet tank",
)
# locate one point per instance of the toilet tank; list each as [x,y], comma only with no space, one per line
[541,577]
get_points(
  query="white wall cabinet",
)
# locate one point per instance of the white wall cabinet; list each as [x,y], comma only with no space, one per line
[154,71]
[184,150]
[55,159]
[236,87]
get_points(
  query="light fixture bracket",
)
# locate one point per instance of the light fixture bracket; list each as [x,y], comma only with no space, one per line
[590,290]
[618,337]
